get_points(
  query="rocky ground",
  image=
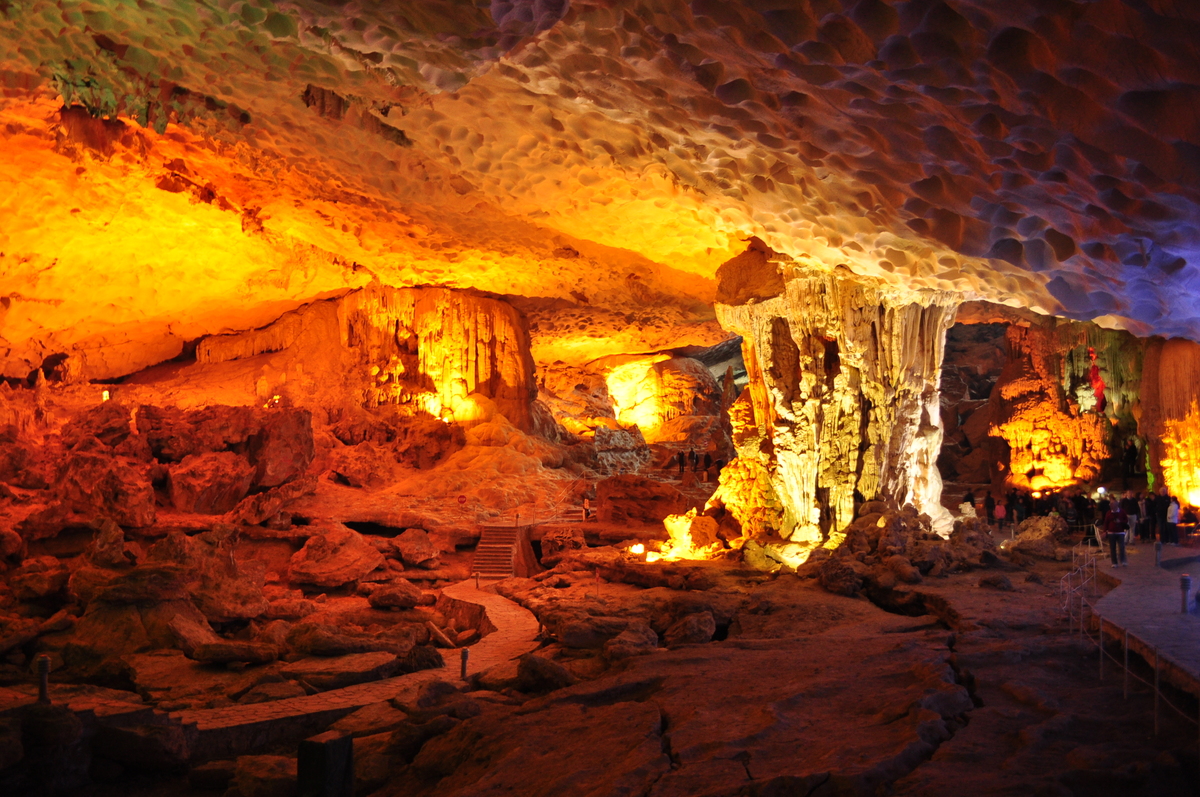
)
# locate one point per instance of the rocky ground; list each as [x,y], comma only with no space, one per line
[709,678]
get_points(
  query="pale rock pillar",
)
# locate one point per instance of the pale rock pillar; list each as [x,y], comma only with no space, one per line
[843,388]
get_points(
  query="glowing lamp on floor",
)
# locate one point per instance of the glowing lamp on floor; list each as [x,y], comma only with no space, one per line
[637,549]
[105,395]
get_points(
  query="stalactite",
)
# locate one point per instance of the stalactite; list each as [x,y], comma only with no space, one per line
[843,377]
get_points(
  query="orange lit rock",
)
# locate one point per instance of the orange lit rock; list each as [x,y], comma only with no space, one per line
[1052,443]
[210,483]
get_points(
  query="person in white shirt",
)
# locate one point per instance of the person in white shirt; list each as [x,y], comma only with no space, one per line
[1172,521]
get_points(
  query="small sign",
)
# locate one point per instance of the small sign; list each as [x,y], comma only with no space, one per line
[462,499]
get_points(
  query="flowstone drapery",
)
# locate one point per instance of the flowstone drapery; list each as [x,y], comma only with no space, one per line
[843,390]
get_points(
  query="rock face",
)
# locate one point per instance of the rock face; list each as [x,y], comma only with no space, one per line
[424,349]
[655,391]
[628,497]
[843,393]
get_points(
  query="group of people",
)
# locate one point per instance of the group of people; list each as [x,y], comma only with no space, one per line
[1120,518]
[693,461]
[1147,516]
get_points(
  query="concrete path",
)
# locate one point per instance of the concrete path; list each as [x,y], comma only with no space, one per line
[1147,605]
[233,729]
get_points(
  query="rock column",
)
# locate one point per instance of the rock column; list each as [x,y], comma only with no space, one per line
[843,389]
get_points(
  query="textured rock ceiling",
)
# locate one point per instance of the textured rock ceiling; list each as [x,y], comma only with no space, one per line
[599,158]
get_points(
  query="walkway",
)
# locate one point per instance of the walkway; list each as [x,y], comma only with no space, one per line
[1147,605]
[236,729]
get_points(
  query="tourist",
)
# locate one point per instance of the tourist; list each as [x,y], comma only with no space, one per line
[1116,524]
[989,506]
[682,461]
[1171,523]
[969,497]
[1162,503]
[1001,512]
[694,458]
[1130,508]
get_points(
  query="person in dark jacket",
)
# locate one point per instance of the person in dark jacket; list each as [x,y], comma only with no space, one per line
[1116,525]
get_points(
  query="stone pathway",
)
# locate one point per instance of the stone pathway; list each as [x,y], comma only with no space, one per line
[229,730]
[1147,605]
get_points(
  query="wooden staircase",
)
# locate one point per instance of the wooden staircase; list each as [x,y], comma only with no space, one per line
[495,551]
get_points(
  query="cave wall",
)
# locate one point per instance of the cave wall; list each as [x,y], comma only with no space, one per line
[427,349]
[1169,414]
[843,389]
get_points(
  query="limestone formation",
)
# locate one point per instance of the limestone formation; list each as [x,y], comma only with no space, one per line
[843,392]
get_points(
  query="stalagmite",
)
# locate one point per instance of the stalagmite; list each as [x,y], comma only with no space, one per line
[843,389]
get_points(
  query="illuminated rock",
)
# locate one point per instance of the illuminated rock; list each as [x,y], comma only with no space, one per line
[1051,441]
[333,557]
[211,483]
[92,480]
[843,390]
[659,394]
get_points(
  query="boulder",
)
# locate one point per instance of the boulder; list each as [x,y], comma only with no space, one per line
[283,449]
[691,629]
[636,640]
[12,546]
[108,548]
[585,630]
[213,776]
[265,776]
[92,480]
[628,497]
[340,671]
[226,651]
[269,692]
[372,719]
[536,674]
[841,575]
[416,549]
[997,581]
[39,577]
[422,657]
[398,594]
[556,542]
[209,483]
[221,588]
[173,433]
[1039,536]
[904,570]
[322,640]
[335,556]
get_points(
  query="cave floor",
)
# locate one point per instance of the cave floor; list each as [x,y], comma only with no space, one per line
[814,694]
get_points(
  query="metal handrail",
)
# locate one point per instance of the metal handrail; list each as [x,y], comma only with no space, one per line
[1085,634]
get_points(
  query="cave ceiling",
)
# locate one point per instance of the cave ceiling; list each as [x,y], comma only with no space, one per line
[175,169]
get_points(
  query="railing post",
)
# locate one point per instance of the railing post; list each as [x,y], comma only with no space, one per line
[1158,554]
[466,653]
[1156,691]
[1101,635]
[1185,592]
[43,666]
[1126,687]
